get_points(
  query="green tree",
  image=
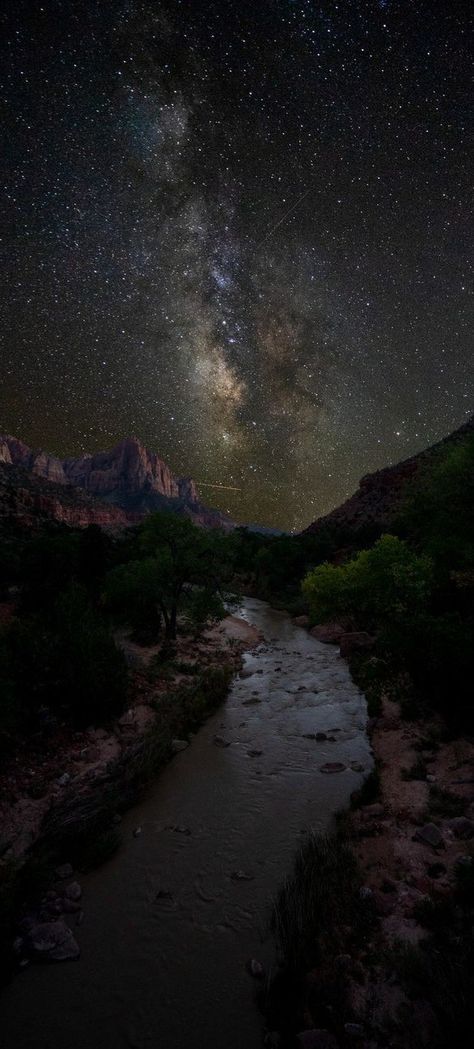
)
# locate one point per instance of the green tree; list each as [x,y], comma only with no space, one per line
[132,593]
[378,586]
[438,513]
[187,558]
[67,662]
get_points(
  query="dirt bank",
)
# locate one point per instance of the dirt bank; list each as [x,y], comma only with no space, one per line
[48,770]
[403,978]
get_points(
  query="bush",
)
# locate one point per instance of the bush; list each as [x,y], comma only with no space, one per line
[438,514]
[318,902]
[384,584]
[131,594]
[66,662]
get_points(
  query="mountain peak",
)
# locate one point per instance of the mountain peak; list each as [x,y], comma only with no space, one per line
[128,476]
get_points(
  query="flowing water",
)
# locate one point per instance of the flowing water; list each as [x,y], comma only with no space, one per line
[171,920]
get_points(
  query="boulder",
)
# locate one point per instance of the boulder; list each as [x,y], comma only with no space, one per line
[301,621]
[374,811]
[219,741]
[53,941]
[177,745]
[333,766]
[355,641]
[431,835]
[328,633]
[73,891]
[461,827]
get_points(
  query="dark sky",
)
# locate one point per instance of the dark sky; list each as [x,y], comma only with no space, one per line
[240,231]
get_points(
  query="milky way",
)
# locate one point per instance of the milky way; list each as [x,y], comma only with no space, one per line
[241,232]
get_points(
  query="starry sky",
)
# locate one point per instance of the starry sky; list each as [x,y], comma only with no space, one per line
[241,232]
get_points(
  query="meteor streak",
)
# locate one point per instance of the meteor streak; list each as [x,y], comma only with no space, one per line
[228,487]
[285,216]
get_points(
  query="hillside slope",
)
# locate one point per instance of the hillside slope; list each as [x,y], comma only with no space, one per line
[379,494]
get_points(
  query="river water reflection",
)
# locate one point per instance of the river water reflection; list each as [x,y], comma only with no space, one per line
[171,920]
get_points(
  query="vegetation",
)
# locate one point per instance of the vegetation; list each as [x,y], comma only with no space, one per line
[441,970]
[68,591]
[414,591]
[319,914]
[316,902]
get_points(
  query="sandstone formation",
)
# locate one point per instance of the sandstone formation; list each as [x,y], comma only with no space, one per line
[112,488]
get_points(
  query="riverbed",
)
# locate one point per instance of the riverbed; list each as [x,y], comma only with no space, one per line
[171,920]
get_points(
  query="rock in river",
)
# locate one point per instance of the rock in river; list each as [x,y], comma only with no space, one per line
[177,745]
[333,766]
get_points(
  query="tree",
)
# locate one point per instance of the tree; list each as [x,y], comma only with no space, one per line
[378,586]
[132,594]
[65,661]
[186,558]
[438,513]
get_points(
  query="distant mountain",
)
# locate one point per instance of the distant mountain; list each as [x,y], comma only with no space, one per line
[379,495]
[114,488]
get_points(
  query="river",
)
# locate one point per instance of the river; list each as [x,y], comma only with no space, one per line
[171,920]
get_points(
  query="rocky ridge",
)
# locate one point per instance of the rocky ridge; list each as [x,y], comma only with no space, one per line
[111,488]
[379,495]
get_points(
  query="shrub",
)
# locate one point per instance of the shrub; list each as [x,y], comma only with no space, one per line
[317,903]
[384,584]
[66,662]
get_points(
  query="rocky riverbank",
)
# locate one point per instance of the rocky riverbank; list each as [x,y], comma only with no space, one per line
[62,796]
[401,979]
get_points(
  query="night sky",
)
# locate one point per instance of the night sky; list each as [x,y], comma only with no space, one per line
[241,232]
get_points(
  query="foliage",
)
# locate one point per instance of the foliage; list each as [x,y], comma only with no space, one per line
[385,583]
[317,903]
[192,566]
[438,513]
[66,663]
[131,593]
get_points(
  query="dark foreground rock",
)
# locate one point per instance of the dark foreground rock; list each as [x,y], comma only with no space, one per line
[355,641]
[52,942]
